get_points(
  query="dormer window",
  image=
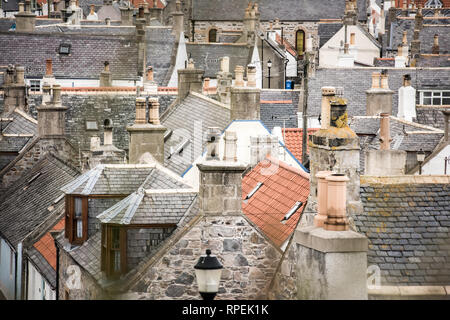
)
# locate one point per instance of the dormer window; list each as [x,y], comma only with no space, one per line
[64,48]
[76,219]
[114,255]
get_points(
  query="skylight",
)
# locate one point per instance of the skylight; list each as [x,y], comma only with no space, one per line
[293,210]
[259,185]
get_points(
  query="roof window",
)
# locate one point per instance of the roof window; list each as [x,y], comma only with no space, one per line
[293,210]
[259,185]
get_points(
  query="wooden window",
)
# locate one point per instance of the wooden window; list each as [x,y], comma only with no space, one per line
[114,250]
[76,219]
[300,42]
[212,36]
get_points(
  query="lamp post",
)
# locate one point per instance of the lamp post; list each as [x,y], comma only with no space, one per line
[269,65]
[420,159]
[208,271]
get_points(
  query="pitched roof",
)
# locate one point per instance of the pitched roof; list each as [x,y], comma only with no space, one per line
[431,116]
[279,193]
[327,30]
[207,56]
[182,120]
[25,205]
[285,10]
[86,59]
[293,140]
[279,108]
[408,226]
[161,47]
[122,179]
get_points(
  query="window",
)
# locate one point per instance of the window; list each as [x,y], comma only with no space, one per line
[300,42]
[76,219]
[293,210]
[64,48]
[91,125]
[435,98]
[212,36]
[113,259]
[35,85]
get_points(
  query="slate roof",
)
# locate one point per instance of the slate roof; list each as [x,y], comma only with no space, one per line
[122,180]
[384,62]
[293,140]
[207,56]
[432,61]
[161,46]
[87,54]
[6,24]
[327,31]
[181,120]
[280,191]
[21,123]
[285,10]
[431,116]
[100,29]
[356,81]
[24,205]
[155,207]
[106,11]
[13,144]
[408,227]
[279,108]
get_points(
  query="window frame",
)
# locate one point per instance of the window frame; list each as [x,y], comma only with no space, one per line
[71,219]
[434,94]
[303,44]
[33,85]
[216,34]
[108,251]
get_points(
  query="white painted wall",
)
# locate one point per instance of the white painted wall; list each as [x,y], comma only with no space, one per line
[436,165]
[180,60]
[7,270]
[365,49]
[70,83]
[38,287]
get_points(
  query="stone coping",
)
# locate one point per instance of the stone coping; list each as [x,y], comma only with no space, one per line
[406,179]
[410,291]
[218,166]
[142,127]
[330,241]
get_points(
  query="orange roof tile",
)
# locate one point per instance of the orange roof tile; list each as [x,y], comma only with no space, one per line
[46,245]
[293,140]
[275,198]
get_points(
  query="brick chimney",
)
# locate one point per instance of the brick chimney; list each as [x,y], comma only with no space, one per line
[407,100]
[105,76]
[379,96]
[189,79]
[177,20]
[335,147]
[48,77]
[146,137]
[435,48]
[25,19]
[51,116]
[245,101]
[220,191]
[14,89]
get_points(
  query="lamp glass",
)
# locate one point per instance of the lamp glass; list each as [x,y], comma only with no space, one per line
[420,156]
[208,280]
[269,64]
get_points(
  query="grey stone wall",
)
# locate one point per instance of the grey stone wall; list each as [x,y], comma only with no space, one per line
[95,207]
[249,262]
[140,242]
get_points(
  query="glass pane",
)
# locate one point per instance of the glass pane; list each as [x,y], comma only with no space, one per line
[115,238]
[79,228]
[427,94]
[436,94]
[427,101]
[300,42]
[446,93]
[446,101]
[116,261]
[436,101]
[78,207]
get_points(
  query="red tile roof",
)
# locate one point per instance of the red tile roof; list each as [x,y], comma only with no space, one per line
[293,140]
[275,198]
[286,43]
[46,245]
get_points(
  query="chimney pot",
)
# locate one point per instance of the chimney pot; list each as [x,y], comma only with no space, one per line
[21,7]
[376,80]
[150,74]
[140,111]
[154,111]
[230,153]
[56,94]
[206,83]
[384,81]
[352,39]
[20,75]
[48,67]
[251,75]
[212,143]
[435,49]
[336,203]
[322,202]
[239,74]
[327,94]
[225,64]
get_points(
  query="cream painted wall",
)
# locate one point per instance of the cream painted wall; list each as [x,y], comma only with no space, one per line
[366,50]
[38,287]
[436,165]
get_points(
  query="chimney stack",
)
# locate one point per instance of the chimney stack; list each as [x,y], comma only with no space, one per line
[92,15]
[146,139]
[251,21]
[224,81]
[212,143]
[177,20]
[407,100]
[126,16]
[385,132]
[14,89]
[415,46]
[48,77]
[155,12]
[107,132]
[105,76]
[435,49]
[150,86]
[418,19]
[25,19]
[189,79]
[245,101]
[51,116]
[379,97]
[328,93]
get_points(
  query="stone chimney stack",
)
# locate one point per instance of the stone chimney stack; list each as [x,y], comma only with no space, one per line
[224,81]
[379,97]
[351,12]
[146,139]
[25,19]
[418,19]
[177,20]
[435,49]
[245,101]
[334,148]
[155,12]
[14,89]
[126,16]
[407,100]
[106,153]
[251,21]
[189,79]
[51,116]
[105,76]
[415,47]
[239,76]
[251,76]
[230,153]
[220,191]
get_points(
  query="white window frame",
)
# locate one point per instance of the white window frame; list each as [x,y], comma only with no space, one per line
[433,4]
[35,83]
[435,94]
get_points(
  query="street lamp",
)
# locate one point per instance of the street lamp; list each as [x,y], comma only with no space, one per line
[208,271]
[269,65]
[420,159]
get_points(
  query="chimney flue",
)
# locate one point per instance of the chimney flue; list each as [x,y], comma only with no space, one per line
[327,94]
[154,111]
[230,153]
[376,80]
[56,94]
[322,202]
[239,76]
[140,111]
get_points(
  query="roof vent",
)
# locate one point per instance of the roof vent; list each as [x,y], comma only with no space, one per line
[259,185]
[294,209]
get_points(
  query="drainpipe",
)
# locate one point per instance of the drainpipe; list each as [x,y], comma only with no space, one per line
[54,234]
[19,272]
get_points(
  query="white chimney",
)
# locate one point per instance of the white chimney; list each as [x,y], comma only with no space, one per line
[407,100]
[345,59]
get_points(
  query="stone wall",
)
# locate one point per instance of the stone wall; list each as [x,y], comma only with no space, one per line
[249,261]
[89,289]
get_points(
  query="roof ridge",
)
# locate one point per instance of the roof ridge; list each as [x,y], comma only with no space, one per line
[415,124]
[201,96]
[286,166]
